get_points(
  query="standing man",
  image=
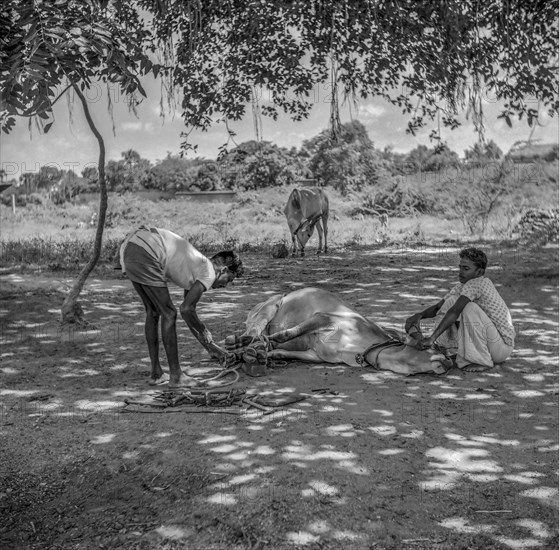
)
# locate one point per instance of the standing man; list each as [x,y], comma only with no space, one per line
[151,257]
[476,323]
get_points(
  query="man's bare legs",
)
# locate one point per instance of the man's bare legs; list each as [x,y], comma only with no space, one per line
[158,304]
[151,331]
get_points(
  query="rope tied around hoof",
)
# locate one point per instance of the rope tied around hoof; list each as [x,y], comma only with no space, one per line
[249,350]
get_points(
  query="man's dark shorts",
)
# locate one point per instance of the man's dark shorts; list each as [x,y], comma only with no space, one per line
[141,267]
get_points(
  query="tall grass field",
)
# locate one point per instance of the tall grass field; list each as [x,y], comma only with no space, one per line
[52,237]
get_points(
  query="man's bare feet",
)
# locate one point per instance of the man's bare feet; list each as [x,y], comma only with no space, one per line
[184,381]
[474,367]
[158,380]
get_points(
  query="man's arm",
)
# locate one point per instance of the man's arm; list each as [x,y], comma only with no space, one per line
[188,312]
[448,320]
[425,314]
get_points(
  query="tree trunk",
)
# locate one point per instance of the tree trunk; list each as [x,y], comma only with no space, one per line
[72,311]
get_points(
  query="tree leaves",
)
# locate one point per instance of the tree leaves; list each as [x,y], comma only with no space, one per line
[49,43]
[427,58]
[349,163]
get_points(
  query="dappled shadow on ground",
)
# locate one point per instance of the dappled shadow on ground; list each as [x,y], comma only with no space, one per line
[462,460]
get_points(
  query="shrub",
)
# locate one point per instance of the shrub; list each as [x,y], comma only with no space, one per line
[537,226]
[400,199]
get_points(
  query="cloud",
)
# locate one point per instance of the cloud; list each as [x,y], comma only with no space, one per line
[153,136]
[367,112]
[131,126]
[137,126]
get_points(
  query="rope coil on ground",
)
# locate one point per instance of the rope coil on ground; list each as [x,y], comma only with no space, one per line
[223,373]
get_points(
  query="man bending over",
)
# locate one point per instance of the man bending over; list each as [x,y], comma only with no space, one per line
[476,323]
[151,257]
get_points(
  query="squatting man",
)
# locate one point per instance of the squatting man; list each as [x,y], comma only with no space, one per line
[150,257]
[476,325]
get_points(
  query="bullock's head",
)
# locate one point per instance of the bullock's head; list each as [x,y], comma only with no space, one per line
[227,265]
[305,230]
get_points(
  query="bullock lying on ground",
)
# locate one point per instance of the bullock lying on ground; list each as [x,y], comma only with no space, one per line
[306,208]
[314,325]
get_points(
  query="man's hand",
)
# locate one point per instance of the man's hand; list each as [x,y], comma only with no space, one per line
[411,321]
[229,360]
[425,343]
[215,351]
[224,358]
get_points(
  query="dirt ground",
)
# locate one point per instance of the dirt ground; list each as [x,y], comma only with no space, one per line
[462,460]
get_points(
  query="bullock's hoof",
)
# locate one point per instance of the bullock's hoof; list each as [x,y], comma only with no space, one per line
[246,340]
[256,353]
[250,356]
[236,341]
[230,342]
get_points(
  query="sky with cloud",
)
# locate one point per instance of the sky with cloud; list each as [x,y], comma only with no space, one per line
[70,144]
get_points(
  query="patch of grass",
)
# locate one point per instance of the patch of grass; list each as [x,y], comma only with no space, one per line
[55,255]
[61,237]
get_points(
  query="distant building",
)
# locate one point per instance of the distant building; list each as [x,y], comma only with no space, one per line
[523,152]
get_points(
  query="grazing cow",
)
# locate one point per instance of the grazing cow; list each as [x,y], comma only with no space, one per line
[311,324]
[306,208]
